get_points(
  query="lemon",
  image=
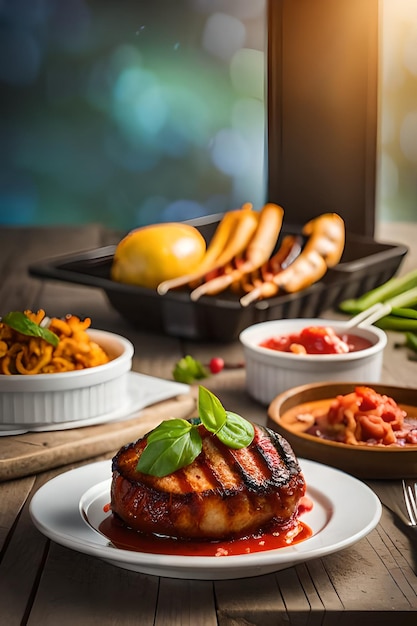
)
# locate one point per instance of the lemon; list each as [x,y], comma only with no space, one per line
[151,254]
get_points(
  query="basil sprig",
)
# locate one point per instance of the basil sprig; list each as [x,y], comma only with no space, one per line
[235,431]
[172,445]
[22,324]
[211,411]
[187,370]
[176,443]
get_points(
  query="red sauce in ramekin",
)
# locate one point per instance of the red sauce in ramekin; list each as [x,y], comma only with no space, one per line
[317,340]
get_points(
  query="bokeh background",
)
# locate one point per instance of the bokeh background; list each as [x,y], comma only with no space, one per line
[130,112]
[397,168]
[133,112]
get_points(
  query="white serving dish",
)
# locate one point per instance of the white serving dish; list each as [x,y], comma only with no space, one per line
[73,520]
[270,372]
[70,396]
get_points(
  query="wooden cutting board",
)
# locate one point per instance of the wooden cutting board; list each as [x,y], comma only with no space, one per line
[30,453]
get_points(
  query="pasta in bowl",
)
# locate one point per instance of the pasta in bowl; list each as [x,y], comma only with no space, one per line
[31,343]
[368,430]
[79,374]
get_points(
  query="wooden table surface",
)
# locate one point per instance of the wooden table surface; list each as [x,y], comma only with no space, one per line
[43,583]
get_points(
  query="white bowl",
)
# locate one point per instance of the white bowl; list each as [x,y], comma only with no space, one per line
[67,396]
[270,372]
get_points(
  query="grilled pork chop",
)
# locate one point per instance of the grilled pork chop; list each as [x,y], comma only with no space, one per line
[223,493]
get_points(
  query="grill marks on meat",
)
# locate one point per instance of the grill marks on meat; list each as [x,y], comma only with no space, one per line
[223,493]
[271,466]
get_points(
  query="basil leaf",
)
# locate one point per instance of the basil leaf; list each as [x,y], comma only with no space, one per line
[210,410]
[176,443]
[172,445]
[20,322]
[236,432]
[187,370]
[170,428]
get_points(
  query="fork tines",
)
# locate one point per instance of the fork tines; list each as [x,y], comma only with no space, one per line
[410,497]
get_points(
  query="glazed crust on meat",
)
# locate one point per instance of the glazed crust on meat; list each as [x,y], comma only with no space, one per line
[222,493]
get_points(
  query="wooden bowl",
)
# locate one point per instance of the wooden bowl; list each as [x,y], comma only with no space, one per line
[389,462]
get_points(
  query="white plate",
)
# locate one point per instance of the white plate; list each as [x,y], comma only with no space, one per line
[142,391]
[344,511]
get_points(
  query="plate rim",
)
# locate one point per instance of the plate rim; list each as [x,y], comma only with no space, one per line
[88,541]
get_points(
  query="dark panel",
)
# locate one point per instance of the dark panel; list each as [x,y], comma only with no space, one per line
[322,109]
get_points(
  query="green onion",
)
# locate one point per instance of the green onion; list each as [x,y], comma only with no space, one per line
[403,312]
[411,341]
[404,288]
[401,295]
[400,324]
[403,300]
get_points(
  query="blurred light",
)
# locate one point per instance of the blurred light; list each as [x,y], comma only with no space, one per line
[223,35]
[387,128]
[410,51]
[138,105]
[41,151]
[217,203]
[247,73]
[389,177]
[123,57]
[408,136]
[18,199]
[128,118]
[150,210]
[98,87]
[248,115]
[172,142]
[182,209]
[230,152]
[244,9]
[190,114]
[128,157]
[150,110]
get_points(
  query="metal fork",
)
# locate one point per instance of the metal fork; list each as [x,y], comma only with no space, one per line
[398,496]
[410,499]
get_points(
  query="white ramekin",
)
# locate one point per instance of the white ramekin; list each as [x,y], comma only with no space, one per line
[69,396]
[270,372]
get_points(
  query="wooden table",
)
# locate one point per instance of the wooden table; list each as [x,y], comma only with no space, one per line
[43,583]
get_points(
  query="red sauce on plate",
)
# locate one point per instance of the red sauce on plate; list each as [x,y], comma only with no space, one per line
[275,537]
[317,340]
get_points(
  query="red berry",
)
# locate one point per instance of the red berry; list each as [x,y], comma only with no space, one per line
[216,365]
